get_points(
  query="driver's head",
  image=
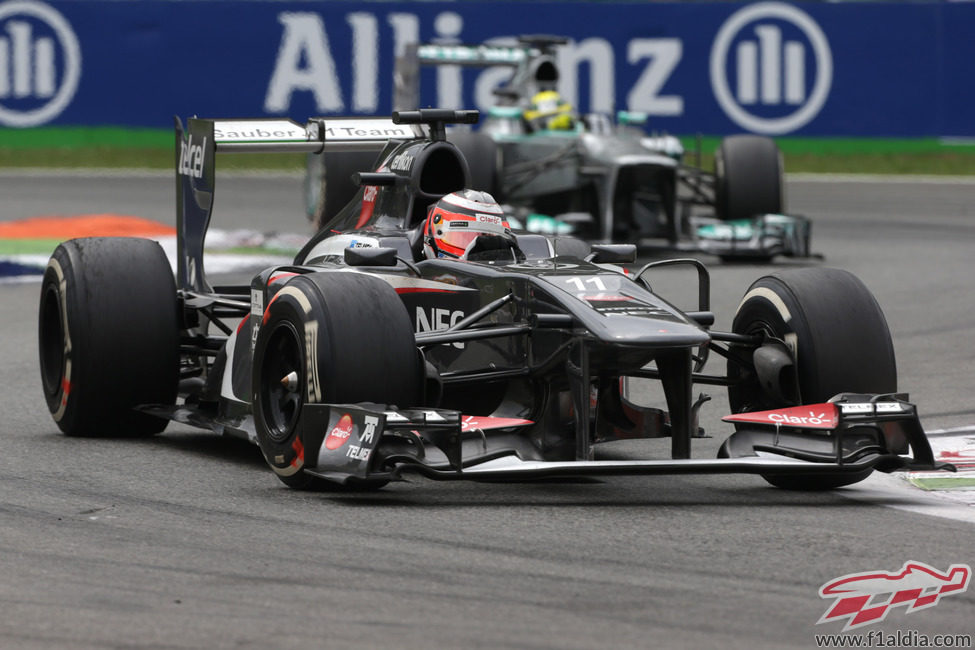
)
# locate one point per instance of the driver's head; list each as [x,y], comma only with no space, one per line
[457,219]
[549,111]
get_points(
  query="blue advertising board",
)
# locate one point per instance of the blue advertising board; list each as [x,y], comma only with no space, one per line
[834,69]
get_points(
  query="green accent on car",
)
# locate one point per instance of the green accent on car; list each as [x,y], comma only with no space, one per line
[632,118]
[468,53]
[547,224]
[506,112]
[740,229]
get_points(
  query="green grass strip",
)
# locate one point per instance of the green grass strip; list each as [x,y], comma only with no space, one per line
[73,137]
[116,147]
[946,483]
[111,137]
[850,146]
[28,246]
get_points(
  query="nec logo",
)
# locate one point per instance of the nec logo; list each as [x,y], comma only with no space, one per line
[40,63]
[438,318]
[771,68]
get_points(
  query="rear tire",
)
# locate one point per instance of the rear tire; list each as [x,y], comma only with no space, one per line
[334,184]
[481,154]
[838,337]
[748,177]
[108,334]
[348,339]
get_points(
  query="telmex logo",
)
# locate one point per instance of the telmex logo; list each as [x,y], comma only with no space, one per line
[771,68]
[40,63]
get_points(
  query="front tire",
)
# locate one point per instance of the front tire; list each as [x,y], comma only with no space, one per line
[838,338]
[334,338]
[108,335]
[748,177]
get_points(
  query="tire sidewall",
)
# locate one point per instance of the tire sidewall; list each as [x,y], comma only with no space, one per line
[291,307]
[833,325]
[347,356]
[768,308]
[119,329]
[840,343]
[55,340]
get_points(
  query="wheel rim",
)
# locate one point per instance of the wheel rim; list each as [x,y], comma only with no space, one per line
[281,400]
[751,396]
[51,337]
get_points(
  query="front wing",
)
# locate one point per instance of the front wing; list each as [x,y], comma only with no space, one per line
[760,237]
[352,443]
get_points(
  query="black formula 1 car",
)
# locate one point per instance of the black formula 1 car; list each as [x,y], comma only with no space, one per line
[362,362]
[600,179]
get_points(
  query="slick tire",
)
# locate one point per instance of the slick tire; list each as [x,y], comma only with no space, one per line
[838,337]
[481,154]
[108,335]
[347,338]
[335,185]
[748,177]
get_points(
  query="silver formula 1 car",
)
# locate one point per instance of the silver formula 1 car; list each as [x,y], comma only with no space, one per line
[364,362]
[598,178]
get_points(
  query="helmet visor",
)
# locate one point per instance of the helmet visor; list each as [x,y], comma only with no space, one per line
[459,230]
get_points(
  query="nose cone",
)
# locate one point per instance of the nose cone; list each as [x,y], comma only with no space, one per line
[650,331]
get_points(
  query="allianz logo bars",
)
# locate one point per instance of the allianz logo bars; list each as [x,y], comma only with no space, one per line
[768,69]
[27,63]
[773,54]
[40,63]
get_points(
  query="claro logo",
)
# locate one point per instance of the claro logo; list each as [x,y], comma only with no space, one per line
[785,418]
[771,68]
[40,63]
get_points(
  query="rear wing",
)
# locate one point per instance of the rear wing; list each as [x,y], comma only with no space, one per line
[474,55]
[406,89]
[200,141]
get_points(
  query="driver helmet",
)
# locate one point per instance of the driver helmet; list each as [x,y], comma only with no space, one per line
[549,111]
[457,219]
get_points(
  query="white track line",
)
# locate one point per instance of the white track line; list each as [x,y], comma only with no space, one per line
[893,492]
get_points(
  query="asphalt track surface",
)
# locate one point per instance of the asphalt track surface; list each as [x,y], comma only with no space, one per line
[186,540]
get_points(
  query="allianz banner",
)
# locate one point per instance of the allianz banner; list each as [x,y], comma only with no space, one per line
[837,69]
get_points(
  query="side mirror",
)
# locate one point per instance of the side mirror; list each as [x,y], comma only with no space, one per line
[370,256]
[612,253]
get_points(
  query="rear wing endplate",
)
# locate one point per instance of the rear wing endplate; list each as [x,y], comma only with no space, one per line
[200,141]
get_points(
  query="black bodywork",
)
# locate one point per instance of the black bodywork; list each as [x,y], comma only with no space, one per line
[524,356]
